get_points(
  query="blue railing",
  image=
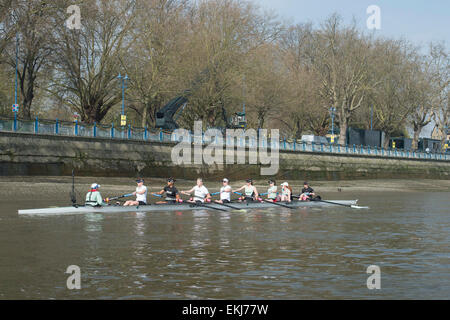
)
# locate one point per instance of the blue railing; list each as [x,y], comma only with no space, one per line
[64,128]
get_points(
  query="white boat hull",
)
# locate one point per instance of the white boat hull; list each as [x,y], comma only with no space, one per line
[182,207]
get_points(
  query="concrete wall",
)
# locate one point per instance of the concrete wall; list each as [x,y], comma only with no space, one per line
[29,154]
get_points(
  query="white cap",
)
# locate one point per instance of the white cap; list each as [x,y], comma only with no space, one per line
[285,184]
[95,186]
[225,180]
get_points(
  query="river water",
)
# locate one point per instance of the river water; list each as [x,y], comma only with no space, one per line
[262,254]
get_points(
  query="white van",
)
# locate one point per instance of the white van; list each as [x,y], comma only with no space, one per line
[316,139]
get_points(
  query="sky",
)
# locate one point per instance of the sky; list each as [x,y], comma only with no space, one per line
[419,21]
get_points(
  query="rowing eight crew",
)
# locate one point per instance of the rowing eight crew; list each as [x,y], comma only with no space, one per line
[200,193]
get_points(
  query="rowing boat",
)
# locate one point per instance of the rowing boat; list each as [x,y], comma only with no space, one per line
[181,207]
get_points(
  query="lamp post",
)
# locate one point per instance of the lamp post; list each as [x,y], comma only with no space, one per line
[371,118]
[243,94]
[17,62]
[446,135]
[16,106]
[332,111]
[243,105]
[123,80]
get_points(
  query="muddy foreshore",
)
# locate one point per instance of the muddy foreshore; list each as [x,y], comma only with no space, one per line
[58,188]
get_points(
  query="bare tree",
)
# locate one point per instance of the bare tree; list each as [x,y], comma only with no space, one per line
[155,56]
[393,96]
[226,52]
[341,58]
[88,60]
[265,86]
[422,113]
[31,18]
[439,69]
[223,35]
[307,108]
[7,26]
[7,31]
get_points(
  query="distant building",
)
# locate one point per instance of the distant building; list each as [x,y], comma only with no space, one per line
[361,137]
[434,145]
[438,134]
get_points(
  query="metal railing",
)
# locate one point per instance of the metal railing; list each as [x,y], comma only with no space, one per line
[64,128]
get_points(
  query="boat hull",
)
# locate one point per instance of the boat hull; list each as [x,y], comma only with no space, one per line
[182,207]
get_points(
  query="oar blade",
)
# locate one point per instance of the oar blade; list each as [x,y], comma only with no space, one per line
[209,207]
[358,207]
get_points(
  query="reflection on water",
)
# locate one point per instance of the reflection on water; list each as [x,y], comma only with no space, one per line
[258,254]
[139,224]
[93,222]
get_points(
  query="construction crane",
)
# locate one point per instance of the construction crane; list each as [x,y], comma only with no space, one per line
[167,116]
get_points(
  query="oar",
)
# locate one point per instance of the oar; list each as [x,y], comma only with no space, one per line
[224,204]
[344,205]
[73,197]
[338,204]
[274,203]
[278,204]
[119,197]
[206,206]
[241,194]
[228,206]
[203,205]
[261,194]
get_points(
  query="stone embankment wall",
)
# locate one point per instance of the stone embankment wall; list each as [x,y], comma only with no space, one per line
[47,155]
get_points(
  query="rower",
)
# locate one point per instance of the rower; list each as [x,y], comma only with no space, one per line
[93,197]
[250,192]
[286,192]
[140,193]
[225,192]
[272,193]
[307,192]
[172,194]
[201,193]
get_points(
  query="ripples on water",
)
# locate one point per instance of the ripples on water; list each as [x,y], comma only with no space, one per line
[261,254]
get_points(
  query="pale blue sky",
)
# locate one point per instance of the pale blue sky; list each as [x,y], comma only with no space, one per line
[419,21]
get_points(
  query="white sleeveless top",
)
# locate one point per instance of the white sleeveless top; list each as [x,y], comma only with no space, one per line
[200,193]
[141,197]
[225,195]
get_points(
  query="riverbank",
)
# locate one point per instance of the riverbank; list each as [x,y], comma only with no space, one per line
[58,188]
[50,155]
